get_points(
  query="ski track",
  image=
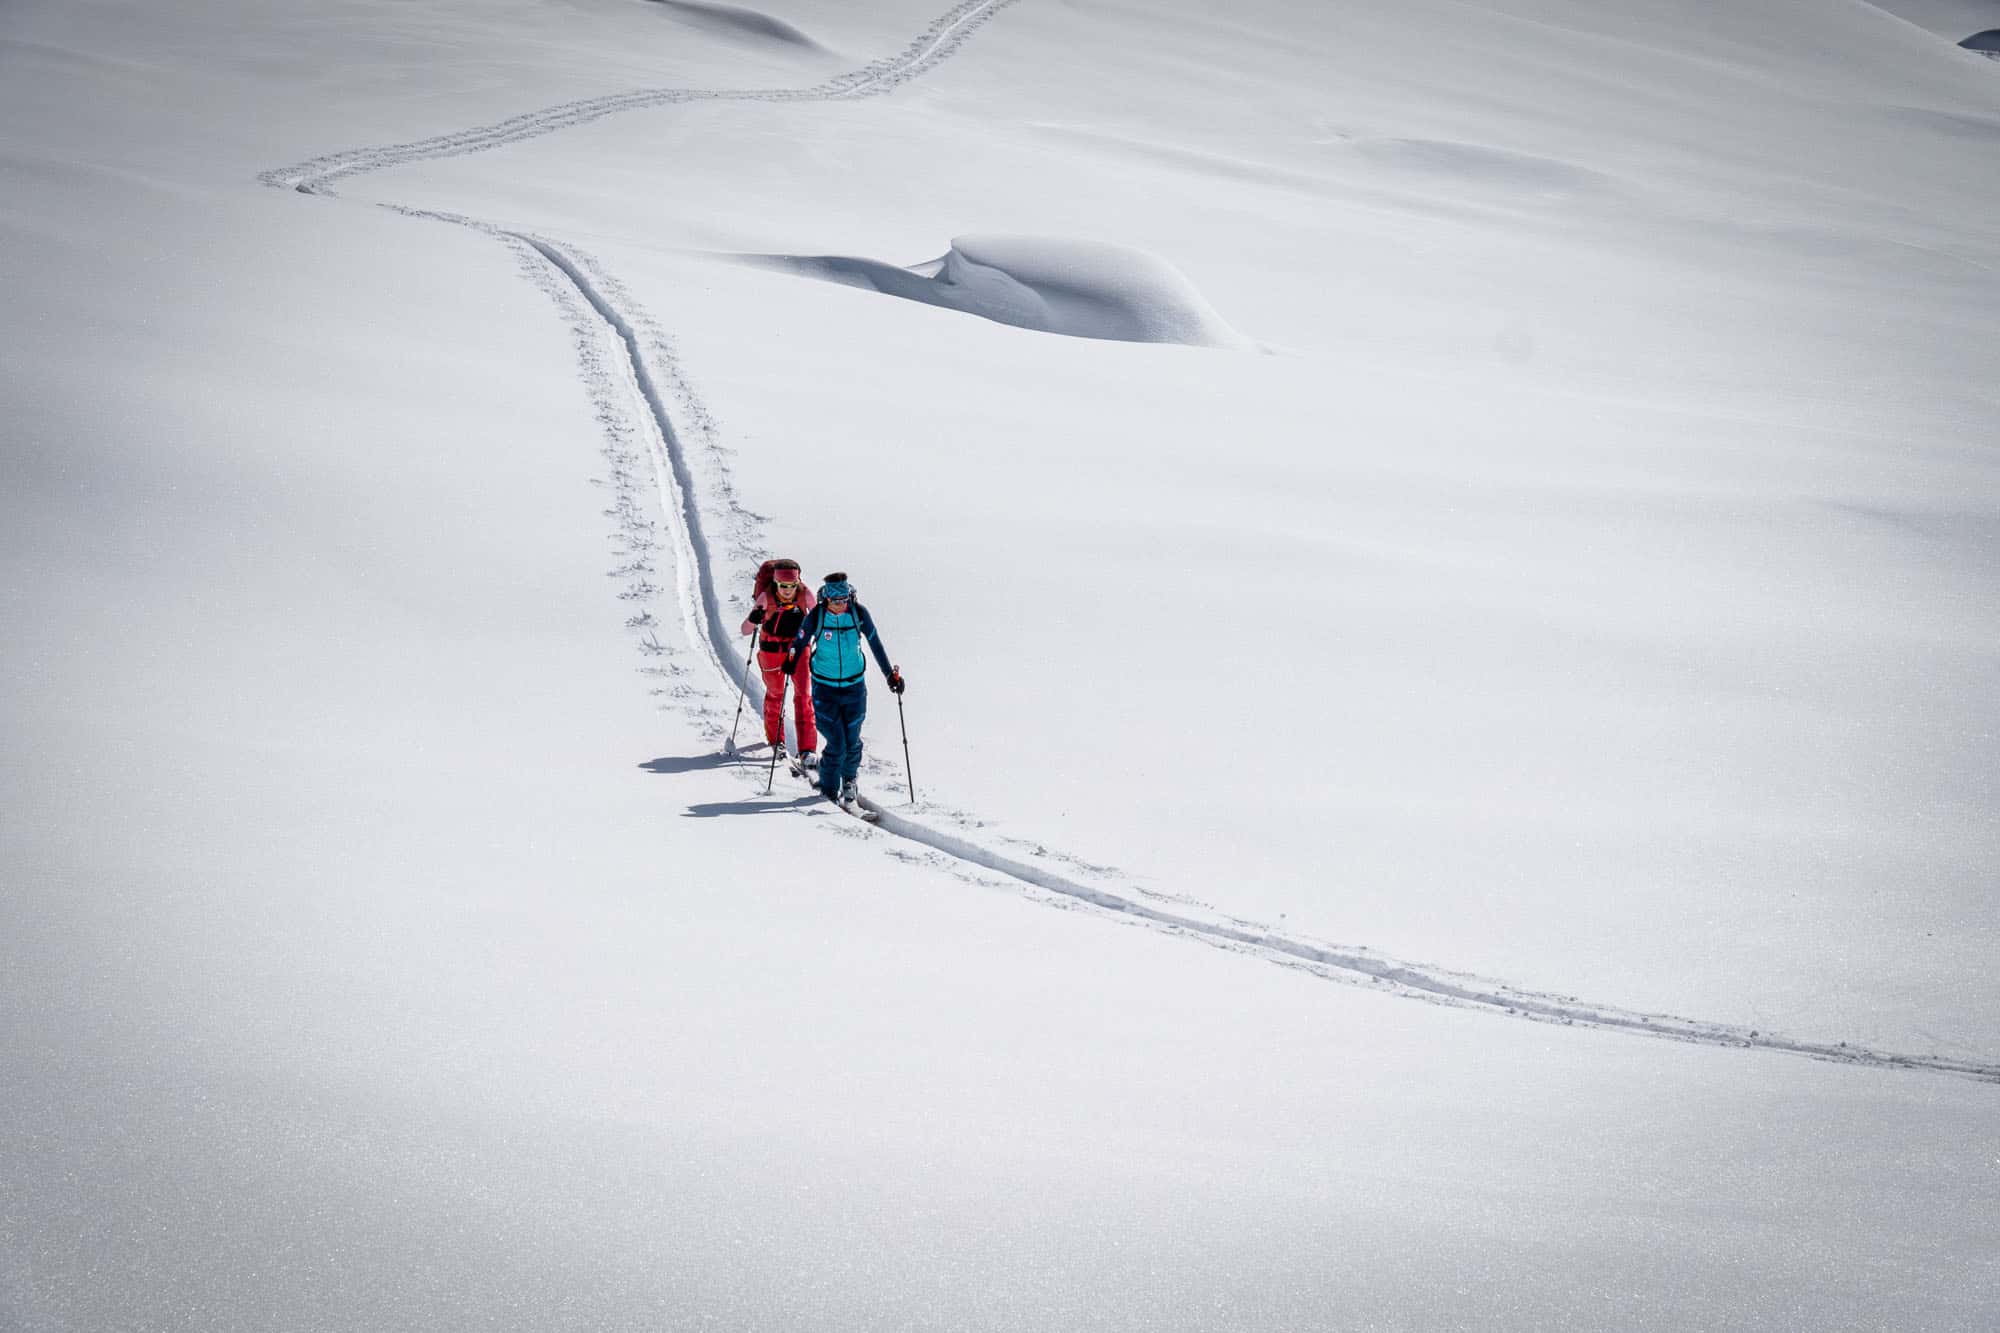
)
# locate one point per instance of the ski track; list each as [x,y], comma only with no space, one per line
[613,340]
[935,44]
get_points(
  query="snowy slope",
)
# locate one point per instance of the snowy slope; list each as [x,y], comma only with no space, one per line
[1642,596]
[1580,578]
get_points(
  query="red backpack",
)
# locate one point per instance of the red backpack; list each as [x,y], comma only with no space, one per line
[767,577]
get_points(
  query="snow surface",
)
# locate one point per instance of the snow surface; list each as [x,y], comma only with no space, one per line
[1583,619]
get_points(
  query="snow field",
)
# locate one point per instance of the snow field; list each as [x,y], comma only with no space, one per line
[382,953]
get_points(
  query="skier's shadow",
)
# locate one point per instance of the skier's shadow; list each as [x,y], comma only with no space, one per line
[749,806]
[691,764]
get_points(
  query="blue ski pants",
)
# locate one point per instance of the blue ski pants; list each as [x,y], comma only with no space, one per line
[839,710]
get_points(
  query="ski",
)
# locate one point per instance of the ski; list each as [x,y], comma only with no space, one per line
[859,811]
[811,779]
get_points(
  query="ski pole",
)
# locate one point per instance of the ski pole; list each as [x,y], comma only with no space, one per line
[756,632]
[772,776]
[903,722]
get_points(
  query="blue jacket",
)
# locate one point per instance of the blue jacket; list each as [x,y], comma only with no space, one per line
[836,644]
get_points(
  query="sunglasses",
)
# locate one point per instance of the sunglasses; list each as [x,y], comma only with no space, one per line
[788,583]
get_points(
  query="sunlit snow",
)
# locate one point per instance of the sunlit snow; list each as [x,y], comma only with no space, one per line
[1447,557]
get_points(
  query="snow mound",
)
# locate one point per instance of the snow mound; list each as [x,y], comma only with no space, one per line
[1986,43]
[1084,289]
[734,20]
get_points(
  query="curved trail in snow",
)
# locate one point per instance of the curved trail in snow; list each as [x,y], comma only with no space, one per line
[616,359]
[934,44]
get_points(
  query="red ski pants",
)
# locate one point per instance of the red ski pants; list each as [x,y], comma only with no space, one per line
[802,701]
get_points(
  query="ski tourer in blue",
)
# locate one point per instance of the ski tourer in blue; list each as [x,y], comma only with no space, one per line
[834,630]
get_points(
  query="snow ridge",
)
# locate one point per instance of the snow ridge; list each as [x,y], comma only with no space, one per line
[934,44]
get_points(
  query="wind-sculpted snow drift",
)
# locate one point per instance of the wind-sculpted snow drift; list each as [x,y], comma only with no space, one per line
[1086,289]
[632,375]
[734,19]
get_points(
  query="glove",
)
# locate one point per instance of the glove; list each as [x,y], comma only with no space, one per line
[896,679]
[791,663]
[756,615]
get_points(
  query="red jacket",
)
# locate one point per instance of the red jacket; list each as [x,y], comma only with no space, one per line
[781,623]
